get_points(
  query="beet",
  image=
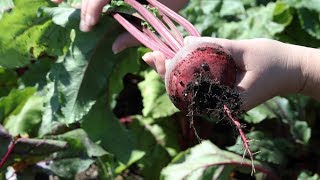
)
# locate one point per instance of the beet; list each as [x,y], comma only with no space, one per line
[205,68]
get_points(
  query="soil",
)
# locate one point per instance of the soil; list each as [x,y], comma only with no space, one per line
[209,96]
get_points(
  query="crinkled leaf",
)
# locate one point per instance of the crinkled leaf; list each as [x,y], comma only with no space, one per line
[64,15]
[29,36]
[28,119]
[231,8]
[68,168]
[14,102]
[258,23]
[258,114]
[156,102]
[269,149]
[204,15]
[51,107]
[193,163]
[80,144]
[81,75]
[307,175]
[102,126]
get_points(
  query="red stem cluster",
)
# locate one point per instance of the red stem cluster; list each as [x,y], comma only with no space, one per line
[170,40]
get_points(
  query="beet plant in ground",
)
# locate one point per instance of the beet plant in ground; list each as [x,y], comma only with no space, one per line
[70,108]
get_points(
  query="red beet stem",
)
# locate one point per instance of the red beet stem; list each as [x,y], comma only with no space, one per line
[143,38]
[156,24]
[176,17]
[174,29]
[6,156]
[242,135]
[154,37]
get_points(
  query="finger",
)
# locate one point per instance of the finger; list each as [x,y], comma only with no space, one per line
[90,13]
[57,1]
[84,5]
[148,58]
[124,41]
[157,61]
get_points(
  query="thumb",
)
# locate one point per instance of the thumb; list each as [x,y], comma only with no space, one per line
[156,60]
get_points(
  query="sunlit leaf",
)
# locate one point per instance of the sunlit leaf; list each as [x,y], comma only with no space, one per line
[29,36]
[193,163]
[27,120]
[68,168]
[14,102]
[258,114]
[156,102]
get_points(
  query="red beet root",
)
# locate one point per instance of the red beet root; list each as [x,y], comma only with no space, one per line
[206,60]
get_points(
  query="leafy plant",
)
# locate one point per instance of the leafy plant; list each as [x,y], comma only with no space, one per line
[69,105]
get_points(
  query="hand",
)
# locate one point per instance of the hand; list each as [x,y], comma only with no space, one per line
[266,68]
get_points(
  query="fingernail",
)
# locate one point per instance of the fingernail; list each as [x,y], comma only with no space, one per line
[115,51]
[84,27]
[147,57]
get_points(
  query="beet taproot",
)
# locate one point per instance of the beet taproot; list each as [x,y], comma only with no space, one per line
[204,62]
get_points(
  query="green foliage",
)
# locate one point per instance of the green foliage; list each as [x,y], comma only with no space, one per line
[156,102]
[103,127]
[25,36]
[60,87]
[202,160]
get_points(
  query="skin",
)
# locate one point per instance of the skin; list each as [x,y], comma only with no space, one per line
[266,68]
[90,14]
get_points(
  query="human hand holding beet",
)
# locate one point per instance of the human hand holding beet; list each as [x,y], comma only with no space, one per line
[265,68]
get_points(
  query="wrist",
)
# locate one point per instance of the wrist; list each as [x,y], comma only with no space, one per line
[310,63]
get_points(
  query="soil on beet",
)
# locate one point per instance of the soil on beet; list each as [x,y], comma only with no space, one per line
[206,96]
[209,96]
